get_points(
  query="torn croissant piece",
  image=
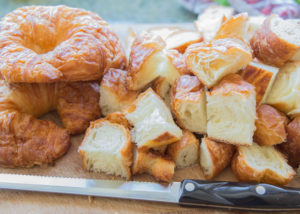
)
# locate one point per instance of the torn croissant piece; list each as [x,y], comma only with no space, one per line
[211,19]
[262,77]
[231,111]
[285,92]
[107,148]
[211,61]
[261,164]
[55,48]
[214,157]
[236,26]
[277,41]
[184,152]
[270,126]
[146,162]
[26,141]
[180,40]
[291,148]
[188,101]
[152,121]
[114,92]
[255,23]
[149,60]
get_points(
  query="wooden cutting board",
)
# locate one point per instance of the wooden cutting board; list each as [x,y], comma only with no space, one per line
[70,166]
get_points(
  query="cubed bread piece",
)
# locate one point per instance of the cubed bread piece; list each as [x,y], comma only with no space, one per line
[184,152]
[291,148]
[277,41]
[148,60]
[236,26]
[107,148]
[188,102]
[211,61]
[119,118]
[152,121]
[255,23]
[180,40]
[114,94]
[214,157]
[231,111]
[285,92]
[262,77]
[261,164]
[211,19]
[146,162]
[270,126]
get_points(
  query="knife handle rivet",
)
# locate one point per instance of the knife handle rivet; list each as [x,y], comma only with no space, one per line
[260,190]
[189,187]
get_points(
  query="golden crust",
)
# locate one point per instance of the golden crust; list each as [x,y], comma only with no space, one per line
[270,126]
[144,46]
[236,26]
[269,47]
[291,148]
[26,141]
[232,82]
[119,118]
[211,61]
[220,155]
[146,162]
[188,139]
[58,49]
[259,77]
[244,172]
[178,61]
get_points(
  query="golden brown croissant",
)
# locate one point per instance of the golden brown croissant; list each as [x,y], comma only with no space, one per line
[46,44]
[26,141]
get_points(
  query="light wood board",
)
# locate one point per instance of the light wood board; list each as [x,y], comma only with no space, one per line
[70,166]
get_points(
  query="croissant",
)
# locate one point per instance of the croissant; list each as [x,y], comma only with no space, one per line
[56,43]
[26,141]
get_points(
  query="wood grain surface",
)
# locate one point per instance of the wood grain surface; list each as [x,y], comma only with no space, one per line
[70,166]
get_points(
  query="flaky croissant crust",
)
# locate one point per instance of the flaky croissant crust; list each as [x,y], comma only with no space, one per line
[51,43]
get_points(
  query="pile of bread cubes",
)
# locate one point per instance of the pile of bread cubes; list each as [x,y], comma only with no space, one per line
[234,82]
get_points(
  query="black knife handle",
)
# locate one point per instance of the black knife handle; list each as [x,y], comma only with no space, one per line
[239,195]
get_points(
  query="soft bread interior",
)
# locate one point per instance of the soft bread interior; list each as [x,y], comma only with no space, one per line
[193,114]
[187,156]
[151,119]
[231,118]
[109,102]
[102,149]
[205,159]
[288,30]
[285,92]
[265,157]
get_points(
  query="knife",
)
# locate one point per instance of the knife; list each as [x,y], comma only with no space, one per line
[217,194]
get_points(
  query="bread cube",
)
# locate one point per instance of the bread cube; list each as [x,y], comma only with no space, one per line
[270,126]
[291,148]
[214,157]
[153,124]
[211,19]
[211,61]
[277,41]
[188,101]
[184,152]
[231,111]
[285,92]
[107,148]
[262,77]
[262,164]
[114,93]
[147,162]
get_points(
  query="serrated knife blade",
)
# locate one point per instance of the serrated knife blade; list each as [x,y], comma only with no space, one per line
[217,194]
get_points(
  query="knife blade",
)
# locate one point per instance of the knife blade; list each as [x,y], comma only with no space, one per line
[217,194]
